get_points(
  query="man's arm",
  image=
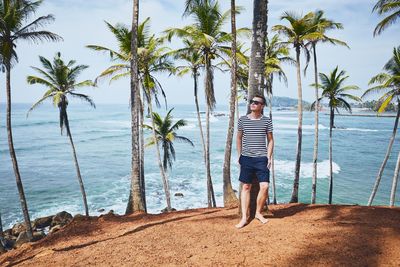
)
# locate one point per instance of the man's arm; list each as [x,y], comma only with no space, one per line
[239,137]
[270,147]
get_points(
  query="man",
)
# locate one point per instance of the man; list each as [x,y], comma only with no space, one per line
[254,156]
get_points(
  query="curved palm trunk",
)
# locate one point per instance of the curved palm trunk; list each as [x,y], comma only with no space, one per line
[315,153]
[13,156]
[394,183]
[209,100]
[63,111]
[201,131]
[137,199]
[389,150]
[230,198]
[160,165]
[332,114]
[295,192]
[272,158]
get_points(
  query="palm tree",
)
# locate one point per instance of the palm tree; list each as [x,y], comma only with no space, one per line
[129,46]
[297,33]
[152,58]
[166,134]
[387,84]
[322,25]
[386,7]
[276,53]
[334,91]
[230,198]
[61,81]
[207,36]
[13,16]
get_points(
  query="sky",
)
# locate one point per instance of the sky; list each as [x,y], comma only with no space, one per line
[81,23]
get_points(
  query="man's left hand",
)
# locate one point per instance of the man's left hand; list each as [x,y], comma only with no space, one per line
[269,164]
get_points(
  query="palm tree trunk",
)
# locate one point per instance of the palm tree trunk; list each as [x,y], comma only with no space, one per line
[1,227]
[142,178]
[389,150]
[210,100]
[237,109]
[272,158]
[137,203]
[210,187]
[315,154]
[332,114]
[63,110]
[257,56]
[295,192]
[395,180]
[230,198]
[13,156]
[160,165]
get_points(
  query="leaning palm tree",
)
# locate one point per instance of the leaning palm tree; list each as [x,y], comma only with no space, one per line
[207,36]
[166,134]
[297,33]
[15,27]
[386,7]
[336,93]
[60,79]
[387,84]
[322,25]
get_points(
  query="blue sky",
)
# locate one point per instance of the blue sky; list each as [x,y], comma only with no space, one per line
[82,22]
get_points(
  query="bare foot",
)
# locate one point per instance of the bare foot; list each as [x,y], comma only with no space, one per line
[261,218]
[241,224]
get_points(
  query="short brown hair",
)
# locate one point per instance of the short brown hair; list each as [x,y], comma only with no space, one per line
[262,97]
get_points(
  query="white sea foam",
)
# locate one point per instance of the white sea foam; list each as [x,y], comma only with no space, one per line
[286,168]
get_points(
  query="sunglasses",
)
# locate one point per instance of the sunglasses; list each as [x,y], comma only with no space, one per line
[255,102]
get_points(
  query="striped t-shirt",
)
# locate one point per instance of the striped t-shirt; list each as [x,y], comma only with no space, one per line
[254,139]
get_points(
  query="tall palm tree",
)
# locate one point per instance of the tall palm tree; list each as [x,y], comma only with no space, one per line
[336,93]
[60,79]
[129,46]
[207,36]
[14,27]
[229,195]
[297,33]
[166,134]
[387,84]
[322,25]
[386,7]
[152,58]
[276,54]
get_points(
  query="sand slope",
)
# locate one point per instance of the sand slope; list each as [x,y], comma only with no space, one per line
[295,234]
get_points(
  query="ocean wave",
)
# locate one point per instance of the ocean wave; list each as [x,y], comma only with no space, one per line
[286,168]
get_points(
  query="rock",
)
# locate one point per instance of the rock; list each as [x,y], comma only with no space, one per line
[18,228]
[41,223]
[61,218]
[79,216]
[166,210]
[7,232]
[101,210]
[9,243]
[55,229]
[111,212]
[22,239]
[38,235]
[179,194]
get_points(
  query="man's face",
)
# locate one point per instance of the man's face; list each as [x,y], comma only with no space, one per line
[256,104]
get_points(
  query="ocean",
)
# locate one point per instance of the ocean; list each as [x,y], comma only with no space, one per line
[102,140]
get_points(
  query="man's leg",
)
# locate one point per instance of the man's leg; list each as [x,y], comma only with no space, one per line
[261,198]
[245,204]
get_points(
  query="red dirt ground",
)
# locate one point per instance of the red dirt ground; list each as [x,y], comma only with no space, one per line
[296,234]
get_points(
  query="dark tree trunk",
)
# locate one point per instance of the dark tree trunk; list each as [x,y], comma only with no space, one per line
[332,114]
[230,198]
[13,156]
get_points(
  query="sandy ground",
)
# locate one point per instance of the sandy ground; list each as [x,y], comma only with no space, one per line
[296,234]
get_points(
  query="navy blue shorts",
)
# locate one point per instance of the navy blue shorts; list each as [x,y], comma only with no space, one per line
[250,167]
